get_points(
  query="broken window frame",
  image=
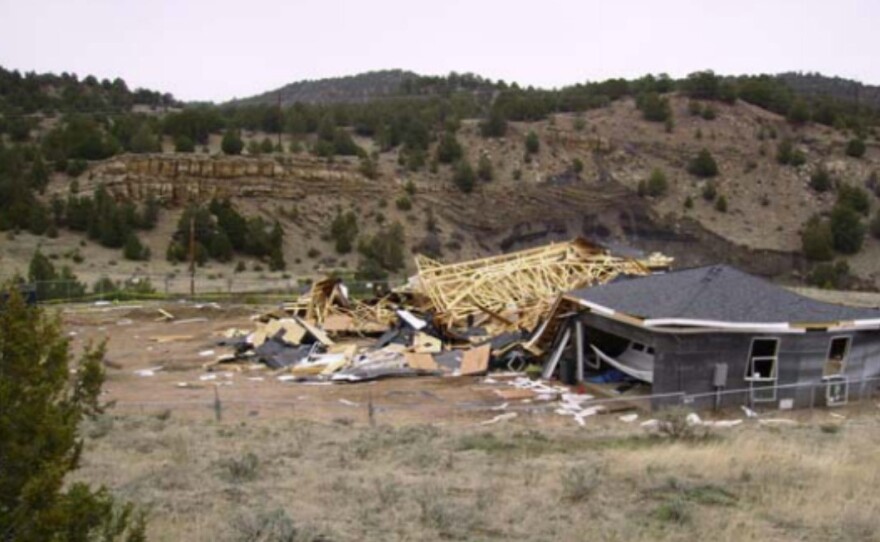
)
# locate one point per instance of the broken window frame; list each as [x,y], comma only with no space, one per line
[832,383]
[762,391]
[750,363]
[843,361]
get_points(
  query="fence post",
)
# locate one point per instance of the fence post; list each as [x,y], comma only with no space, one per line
[218,406]
[812,396]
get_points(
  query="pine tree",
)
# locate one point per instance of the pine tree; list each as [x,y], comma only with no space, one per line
[449,150]
[464,176]
[533,144]
[232,143]
[133,249]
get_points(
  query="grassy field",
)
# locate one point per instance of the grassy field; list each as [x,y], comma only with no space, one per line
[286,480]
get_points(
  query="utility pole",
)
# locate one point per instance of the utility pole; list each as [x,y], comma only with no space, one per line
[192,255]
[280,120]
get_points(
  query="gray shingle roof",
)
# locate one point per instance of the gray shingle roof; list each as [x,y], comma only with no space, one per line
[718,292]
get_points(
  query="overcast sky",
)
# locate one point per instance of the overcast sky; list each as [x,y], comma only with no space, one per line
[220,49]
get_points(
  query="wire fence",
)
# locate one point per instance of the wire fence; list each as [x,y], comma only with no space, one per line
[159,287]
[427,407]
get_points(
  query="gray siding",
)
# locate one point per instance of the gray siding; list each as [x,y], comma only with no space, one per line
[686,362]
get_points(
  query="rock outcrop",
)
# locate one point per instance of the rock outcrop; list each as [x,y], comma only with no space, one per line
[182,178]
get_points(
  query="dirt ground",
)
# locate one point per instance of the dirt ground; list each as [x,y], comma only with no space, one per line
[175,352]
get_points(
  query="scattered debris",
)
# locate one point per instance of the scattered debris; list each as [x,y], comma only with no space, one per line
[461,319]
[629,418]
[148,372]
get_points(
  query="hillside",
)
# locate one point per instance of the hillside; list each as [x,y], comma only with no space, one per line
[395,167]
[815,84]
[350,89]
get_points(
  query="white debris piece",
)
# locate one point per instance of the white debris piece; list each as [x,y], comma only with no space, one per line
[722,423]
[502,406]
[346,402]
[836,415]
[414,321]
[148,372]
[650,424]
[629,418]
[206,353]
[500,418]
[693,419]
[749,412]
[208,377]
[286,378]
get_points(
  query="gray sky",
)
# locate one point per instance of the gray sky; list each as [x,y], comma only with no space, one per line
[220,49]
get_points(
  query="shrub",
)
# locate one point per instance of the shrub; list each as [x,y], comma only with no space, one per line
[240,267]
[266,146]
[820,180]
[464,177]
[847,230]
[579,483]
[533,144]
[232,143]
[313,253]
[710,192]
[343,231]
[484,168]
[77,167]
[830,276]
[703,165]
[855,148]
[709,113]
[449,150]
[721,204]
[577,165]
[368,168]
[654,108]
[495,125]
[674,423]
[134,250]
[875,225]
[784,151]
[657,184]
[817,242]
[688,202]
[403,203]
[695,108]
[854,197]
[240,469]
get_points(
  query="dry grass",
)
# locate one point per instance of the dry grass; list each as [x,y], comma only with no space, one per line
[274,480]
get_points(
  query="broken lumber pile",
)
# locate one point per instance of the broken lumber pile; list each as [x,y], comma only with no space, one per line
[516,288]
[451,319]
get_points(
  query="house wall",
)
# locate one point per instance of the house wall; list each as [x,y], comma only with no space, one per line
[686,362]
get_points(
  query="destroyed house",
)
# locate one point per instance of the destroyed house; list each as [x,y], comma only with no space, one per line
[714,337]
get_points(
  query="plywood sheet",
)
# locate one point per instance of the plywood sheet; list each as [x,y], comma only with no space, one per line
[423,362]
[476,360]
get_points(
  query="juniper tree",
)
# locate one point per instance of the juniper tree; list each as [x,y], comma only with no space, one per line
[44,397]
